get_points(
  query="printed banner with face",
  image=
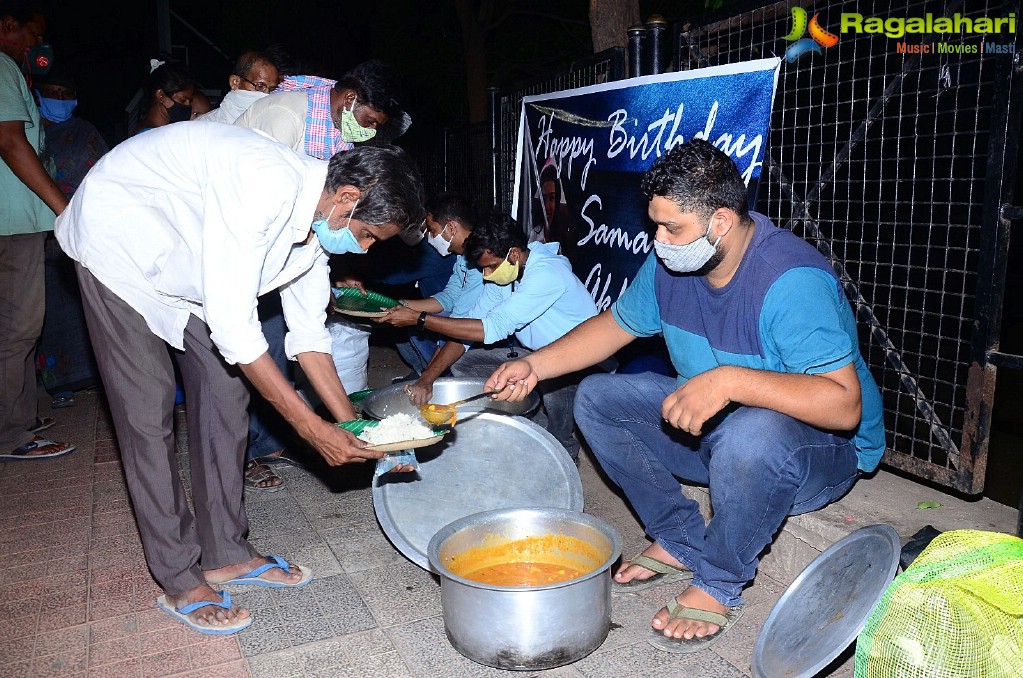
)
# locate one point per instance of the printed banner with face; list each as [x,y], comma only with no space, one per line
[582,153]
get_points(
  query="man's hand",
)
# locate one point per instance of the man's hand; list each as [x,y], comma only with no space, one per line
[399,316]
[338,446]
[420,391]
[515,380]
[697,400]
[350,281]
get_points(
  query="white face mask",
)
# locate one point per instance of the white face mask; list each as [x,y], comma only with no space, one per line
[689,257]
[438,242]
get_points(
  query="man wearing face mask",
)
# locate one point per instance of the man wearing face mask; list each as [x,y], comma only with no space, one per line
[317,117]
[73,147]
[320,117]
[253,77]
[529,294]
[28,201]
[238,215]
[450,219]
[774,408]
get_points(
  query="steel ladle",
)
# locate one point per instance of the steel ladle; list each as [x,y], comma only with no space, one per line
[442,414]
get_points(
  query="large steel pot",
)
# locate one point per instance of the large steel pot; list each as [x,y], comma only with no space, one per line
[525,628]
[383,402]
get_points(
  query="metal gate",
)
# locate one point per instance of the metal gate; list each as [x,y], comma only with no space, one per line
[899,167]
[880,157]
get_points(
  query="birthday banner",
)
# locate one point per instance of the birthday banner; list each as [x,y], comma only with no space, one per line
[582,152]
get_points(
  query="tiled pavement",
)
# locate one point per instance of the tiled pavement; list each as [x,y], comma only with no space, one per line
[76,597]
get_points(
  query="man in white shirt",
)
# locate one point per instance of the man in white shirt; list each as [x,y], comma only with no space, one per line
[175,234]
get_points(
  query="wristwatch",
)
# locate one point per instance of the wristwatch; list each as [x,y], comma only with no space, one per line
[421,323]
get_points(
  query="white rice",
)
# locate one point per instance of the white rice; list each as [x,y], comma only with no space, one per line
[396,428]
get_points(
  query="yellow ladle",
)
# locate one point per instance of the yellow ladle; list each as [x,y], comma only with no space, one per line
[443,414]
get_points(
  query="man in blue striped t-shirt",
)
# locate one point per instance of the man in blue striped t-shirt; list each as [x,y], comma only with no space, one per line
[773,407]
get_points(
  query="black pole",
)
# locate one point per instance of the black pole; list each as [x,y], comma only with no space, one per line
[637,39]
[494,114]
[656,27]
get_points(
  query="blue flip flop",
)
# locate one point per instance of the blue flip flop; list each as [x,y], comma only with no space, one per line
[252,578]
[181,614]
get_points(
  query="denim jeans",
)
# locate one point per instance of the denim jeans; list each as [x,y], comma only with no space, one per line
[760,466]
[418,349]
[267,428]
[557,394]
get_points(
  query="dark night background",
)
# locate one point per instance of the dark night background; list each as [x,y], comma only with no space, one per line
[109,44]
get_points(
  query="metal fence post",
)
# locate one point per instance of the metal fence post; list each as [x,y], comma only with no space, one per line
[637,38]
[656,27]
[494,115]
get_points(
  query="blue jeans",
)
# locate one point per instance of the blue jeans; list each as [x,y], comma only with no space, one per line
[418,349]
[267,428]
[760,466]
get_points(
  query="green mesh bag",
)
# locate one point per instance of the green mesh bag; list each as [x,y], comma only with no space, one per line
[956,612]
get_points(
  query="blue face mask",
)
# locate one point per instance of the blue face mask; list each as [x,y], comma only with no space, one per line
[56,110]
[340,241]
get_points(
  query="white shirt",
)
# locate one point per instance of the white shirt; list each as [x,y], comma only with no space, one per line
[235,102]
[282,115]
[201,219]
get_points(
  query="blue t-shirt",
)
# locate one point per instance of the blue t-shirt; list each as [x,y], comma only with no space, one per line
[783,311]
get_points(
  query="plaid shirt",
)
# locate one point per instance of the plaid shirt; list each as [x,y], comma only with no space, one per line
[322,138]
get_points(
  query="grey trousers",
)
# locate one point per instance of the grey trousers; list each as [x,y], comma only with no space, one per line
[138,379]
[22,302]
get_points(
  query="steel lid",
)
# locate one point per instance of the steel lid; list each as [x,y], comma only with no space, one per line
[488,462]
[827,605]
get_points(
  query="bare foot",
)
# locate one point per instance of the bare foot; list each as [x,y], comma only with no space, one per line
[629,572]
[274,574]
[210,616]
[689,628]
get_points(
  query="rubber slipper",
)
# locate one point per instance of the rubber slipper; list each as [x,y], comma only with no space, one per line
[663,574]
[252,578]
[24,453]
[689,645]
[281,459]
[41,424]
[256,473]
[181,614]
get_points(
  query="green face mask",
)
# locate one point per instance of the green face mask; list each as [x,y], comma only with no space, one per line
[351,130]
[505,274]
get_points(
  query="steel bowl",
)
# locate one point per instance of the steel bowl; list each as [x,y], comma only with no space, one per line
[526,628]
[383,402]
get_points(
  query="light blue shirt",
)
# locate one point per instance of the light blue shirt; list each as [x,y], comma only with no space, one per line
[462,289]
[542,307]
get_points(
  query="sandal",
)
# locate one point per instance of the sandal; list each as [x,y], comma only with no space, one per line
[261,478]
[39,448]
[663,574]
[278,458]
[676,610]
[41,424]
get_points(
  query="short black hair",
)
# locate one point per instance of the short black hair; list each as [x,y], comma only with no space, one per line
[375,85]
[249,60]
[390,184]
[452,207]
[496,232]
[698,177]
[168,77]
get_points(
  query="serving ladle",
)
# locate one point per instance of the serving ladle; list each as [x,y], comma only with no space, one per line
[443,414]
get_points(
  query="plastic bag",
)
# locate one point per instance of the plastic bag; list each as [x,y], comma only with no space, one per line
[957,611]
[350,350]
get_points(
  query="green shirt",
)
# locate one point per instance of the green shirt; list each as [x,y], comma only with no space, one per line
[21,210]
